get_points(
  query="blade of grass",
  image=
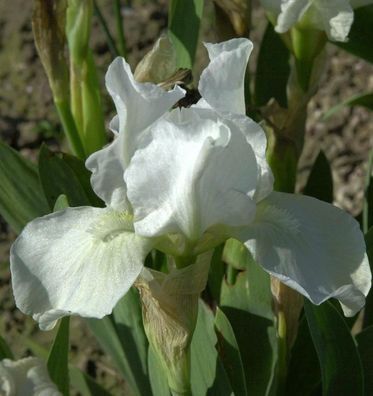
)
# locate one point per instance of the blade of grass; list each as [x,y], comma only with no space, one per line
[120,31]
[109,38]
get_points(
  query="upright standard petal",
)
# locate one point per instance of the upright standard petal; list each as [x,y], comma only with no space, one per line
[222,82]
[28,376]
[311,246]
[291,12]
[337,17]
[257,139]
[76,261]
[107,169]
[138,104]
[196,172]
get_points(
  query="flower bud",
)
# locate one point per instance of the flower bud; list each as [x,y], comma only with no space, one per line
[159,63]
[170,309]
[48,24]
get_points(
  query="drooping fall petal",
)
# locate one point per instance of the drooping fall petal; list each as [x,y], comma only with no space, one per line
[76,261]
[28,376]
[311,246]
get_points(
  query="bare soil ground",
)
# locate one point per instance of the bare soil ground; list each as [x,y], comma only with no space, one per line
[27,118]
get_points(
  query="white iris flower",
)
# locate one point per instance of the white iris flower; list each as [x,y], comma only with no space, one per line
[26,377]
[183,181]
[335,17]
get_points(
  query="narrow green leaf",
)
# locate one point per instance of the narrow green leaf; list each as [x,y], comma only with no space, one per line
[248,306]
[365,347]
[5,351]
[207,372]
[84,384]
[21,196]
[252,290]
[157,377]
[208,376]
[304,375]
[183,23]
[320,181]
[236,254]
[230,353]
[58,357]
[127,318]
[272,69]
[360,37]
[341,368]
[364,100]
[61,203]
[84,177]
[216,273]
[107,334]
[203,352]
[65,174]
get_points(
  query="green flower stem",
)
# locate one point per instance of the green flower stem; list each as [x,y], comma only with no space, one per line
[120,31]
[283,157]
[307,44]
[68,123]
[76,96]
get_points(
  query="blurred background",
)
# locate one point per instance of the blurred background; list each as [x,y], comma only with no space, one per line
[28,118]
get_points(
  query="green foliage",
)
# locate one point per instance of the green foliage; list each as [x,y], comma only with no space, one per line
[248,306]
[365,345]
[340,363]
[361,34]
[58,358]
[21,197]
[229,353]
[272,69]
[64,174]
[84,384]
[304,375]
[5,351]
[364,100]
[184,23]
[127,317]
[320,180]
[157,376]
[122,337]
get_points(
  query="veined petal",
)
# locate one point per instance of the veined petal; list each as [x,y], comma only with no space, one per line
[222,82]
[337,17]
[138,104]
[76,261]
[196,172]
[313,247]
[257,139]
[107,170]
[291,12]
[28,376]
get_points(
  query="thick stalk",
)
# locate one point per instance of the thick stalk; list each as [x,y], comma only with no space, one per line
[67,120]
[76,96]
